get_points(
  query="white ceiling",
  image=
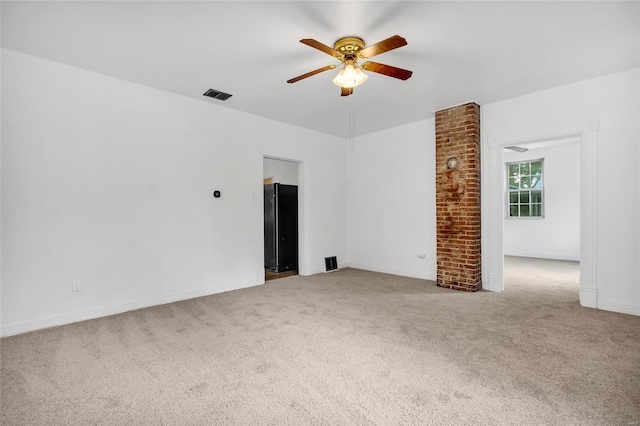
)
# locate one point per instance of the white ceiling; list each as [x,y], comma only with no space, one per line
[458,51]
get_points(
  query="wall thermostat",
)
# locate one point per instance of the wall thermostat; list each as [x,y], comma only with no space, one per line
[216,194]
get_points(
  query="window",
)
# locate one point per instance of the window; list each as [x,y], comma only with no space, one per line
[525,189]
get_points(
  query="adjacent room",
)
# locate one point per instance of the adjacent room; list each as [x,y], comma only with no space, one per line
[300,213]
[542,224]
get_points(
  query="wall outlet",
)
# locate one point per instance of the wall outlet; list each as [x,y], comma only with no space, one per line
[76,285]
[421,255]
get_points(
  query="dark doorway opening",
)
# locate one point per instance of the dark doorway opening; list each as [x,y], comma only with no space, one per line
[280,230]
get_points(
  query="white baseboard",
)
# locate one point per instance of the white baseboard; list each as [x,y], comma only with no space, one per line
[619,307]
[312,270]
[69,318]
[260,276]
[393,271]
[315,270]
[589,297]
[495,283]
[305,269]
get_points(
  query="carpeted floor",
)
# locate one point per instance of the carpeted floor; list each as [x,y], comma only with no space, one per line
[349,347]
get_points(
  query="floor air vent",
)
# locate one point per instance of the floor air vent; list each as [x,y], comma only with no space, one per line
[215,94]
[331,263]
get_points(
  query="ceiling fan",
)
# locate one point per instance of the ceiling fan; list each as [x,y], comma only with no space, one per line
[348,50]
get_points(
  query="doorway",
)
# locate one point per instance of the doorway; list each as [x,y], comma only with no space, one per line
[493,210]
[281,218]
[541,222]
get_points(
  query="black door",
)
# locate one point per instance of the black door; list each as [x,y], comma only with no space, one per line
[287,213]
[280,227]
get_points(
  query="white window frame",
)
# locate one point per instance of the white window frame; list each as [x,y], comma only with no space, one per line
[509,191]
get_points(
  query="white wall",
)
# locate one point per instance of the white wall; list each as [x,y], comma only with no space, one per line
[391,201]
[557,235]
[391,188]
[613,101]
[111,183]
[285,172]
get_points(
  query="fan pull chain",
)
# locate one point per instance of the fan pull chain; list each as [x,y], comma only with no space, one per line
[352,126]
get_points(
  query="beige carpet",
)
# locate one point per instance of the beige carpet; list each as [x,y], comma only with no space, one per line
[349,347]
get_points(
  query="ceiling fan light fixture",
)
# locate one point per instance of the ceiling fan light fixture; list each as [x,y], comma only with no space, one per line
[350,76]
[348,50]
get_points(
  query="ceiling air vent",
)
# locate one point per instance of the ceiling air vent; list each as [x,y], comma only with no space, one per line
[215,94]
[517,148]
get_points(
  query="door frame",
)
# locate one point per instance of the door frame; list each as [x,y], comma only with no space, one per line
[494,211]
[302,201]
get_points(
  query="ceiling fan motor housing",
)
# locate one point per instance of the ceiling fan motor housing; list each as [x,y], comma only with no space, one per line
[350,46]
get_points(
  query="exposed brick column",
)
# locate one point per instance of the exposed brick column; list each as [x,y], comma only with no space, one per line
[458,197]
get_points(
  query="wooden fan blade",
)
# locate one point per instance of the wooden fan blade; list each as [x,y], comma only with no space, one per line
[387,70]
[346,91]
[309,74]
[383,46]
[322,47]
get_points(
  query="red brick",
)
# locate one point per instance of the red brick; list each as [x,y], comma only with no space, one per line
[458,198]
